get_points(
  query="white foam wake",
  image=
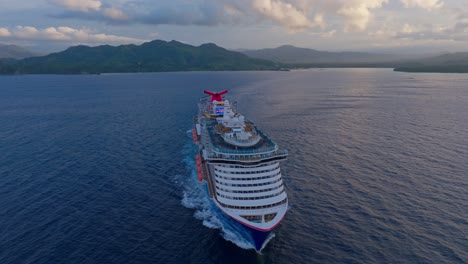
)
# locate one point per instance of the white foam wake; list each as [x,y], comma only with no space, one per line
[195,196]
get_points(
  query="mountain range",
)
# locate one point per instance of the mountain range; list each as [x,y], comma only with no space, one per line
[154,56]
[450,62]
[159,55]
[14,52]
[294,55]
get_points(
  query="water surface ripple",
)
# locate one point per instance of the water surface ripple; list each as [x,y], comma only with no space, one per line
[98,169]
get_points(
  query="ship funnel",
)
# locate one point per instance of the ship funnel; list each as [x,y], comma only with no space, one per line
[216,96]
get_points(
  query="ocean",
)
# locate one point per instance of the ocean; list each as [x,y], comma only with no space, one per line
[100,168]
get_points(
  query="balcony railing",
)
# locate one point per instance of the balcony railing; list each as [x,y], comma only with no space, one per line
[247,157]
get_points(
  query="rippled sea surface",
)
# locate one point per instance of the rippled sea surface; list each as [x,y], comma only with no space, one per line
[99,169]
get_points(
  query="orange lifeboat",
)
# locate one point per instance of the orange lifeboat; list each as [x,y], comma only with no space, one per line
[194,135]
[200,175]
[199,168]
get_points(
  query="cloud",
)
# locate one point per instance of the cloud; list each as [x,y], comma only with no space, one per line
[4,32]
[176,12]
[357,13]
[66,34]
[283,13]
[185,13]
[329,34]
[407,29]
[425,4]
[293,15]
[115,14]
[78,5]
[456,32]
[25,32]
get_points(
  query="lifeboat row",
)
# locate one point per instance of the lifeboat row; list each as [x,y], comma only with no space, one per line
[194,136]
[199,168]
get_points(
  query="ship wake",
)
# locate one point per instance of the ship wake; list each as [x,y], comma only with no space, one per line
[196,196]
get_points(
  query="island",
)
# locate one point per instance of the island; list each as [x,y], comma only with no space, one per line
[164,56]
[154,56]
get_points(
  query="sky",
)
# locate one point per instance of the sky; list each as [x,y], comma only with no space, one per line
[422,26]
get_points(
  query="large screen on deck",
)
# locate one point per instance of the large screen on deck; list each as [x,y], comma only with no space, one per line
[219,110]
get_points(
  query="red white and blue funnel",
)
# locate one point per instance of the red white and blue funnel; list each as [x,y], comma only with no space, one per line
[216,96]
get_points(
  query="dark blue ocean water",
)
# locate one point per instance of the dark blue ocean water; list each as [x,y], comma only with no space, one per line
[99,169]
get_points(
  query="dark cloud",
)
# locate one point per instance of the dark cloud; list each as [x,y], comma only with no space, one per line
[287,13]
[91,16]
[186,14]
[206,13]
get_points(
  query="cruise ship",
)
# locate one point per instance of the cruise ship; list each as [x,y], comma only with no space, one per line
[240,165]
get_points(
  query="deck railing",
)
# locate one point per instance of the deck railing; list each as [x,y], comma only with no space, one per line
[246,157]
[218,149]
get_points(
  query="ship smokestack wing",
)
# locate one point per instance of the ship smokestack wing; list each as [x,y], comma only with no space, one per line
[218,96]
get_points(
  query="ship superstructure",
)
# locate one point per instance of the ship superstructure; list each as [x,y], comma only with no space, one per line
[240,164]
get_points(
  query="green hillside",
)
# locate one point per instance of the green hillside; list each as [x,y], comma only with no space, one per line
[14,52]
[154,56]
[297,56]
[451,62]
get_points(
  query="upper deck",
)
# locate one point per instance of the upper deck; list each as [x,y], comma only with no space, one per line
[216,147]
